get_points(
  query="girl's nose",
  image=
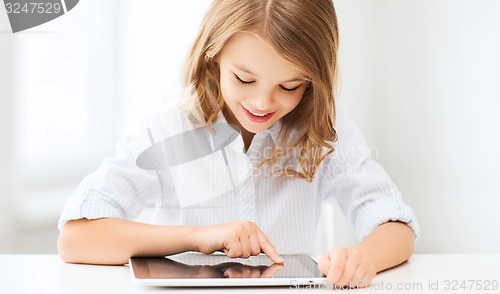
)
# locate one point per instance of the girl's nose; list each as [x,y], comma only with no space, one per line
[263,101]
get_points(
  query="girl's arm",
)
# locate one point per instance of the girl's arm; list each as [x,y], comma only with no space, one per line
[388,245]
[114,241]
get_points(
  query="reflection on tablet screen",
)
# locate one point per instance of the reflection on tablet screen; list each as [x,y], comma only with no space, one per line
[194,265]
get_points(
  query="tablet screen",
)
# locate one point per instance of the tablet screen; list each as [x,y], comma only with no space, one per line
[201,266]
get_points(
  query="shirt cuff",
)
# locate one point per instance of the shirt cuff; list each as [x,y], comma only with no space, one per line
[381,211]
[90,204]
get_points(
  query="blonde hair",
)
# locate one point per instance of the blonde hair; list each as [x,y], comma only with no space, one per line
[304,33]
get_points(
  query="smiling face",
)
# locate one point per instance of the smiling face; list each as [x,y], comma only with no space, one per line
[259,87]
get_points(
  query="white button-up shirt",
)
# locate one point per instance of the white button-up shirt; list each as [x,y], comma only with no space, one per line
[220,188]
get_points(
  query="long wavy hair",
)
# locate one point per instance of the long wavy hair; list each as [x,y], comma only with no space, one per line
[305,34]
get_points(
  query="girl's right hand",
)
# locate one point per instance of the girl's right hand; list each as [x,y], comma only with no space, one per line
[236,239]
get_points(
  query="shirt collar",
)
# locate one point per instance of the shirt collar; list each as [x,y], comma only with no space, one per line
[275,129]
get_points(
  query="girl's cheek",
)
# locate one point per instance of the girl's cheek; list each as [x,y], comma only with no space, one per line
[228,92]
[291,101]
[233,92]
[226,88]
[228,83]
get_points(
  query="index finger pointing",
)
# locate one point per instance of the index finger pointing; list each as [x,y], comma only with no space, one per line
[268,249]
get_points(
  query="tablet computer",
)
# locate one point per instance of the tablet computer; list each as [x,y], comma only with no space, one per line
[199,270]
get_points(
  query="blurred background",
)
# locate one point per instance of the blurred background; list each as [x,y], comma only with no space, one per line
[421,79]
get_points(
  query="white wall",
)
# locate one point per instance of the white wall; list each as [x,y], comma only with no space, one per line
[421,79]
[6,148]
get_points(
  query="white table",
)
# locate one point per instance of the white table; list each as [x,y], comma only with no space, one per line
[423,273]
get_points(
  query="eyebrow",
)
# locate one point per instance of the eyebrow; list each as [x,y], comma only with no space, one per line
[297,79]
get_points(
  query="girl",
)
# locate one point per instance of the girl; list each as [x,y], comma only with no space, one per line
[268,67]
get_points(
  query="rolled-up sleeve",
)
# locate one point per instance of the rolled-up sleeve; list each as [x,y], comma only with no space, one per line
[362,188]
[117,189]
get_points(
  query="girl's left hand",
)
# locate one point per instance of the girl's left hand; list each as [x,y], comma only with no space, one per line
[347,268]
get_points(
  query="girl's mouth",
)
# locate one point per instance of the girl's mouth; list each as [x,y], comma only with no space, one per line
[258,117]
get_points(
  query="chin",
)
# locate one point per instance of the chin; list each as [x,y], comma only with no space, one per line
[256,129]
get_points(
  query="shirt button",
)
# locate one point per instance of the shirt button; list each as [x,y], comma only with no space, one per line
[82,191]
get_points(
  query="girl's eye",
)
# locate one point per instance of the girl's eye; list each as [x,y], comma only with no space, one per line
[239,80]
[290,90]
[242,81]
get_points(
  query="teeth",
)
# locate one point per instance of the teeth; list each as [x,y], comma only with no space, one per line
[256,114]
